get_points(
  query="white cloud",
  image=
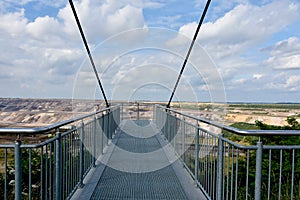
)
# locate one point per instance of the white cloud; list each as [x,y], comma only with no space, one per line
[43,28]
[102,19]
[293,83]
[48,50]
[232,41]
[257,76]
[245,25]
[284,54]
[284,83]
[13,23]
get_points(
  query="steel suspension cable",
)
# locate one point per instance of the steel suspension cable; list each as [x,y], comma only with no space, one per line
[189,52]
[88,51]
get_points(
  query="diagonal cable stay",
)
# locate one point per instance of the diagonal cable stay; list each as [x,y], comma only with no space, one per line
[189,52]
[88,51]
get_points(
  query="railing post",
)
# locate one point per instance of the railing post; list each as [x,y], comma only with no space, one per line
[258,170]
[108,125]
[111,124]
[197,154]
[121,111]
[94,141]
[101,122]
[220,169]
[167,126]
[81,154]
[174,132]
[138,111]
[58,167]
[183,140]
[18,170]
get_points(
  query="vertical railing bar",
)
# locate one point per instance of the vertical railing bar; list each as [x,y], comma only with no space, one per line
[207,164]
[105,129]
[76,171]
[18,170]
[293,171]
[183,135]
[70,159]
[51,176]
[97,145]
[138,111]
[174,132]
[211,165]
[168,126]
[122,111]
[220,169]
[197,154]
[247,173]
[89,156]
[108,128]
[76,177]
[228,163]
[81,153]
[86,159]
[41,173]
[200,155]
[46,172]
[165,124]
[204,159]
[215,168]
[269,173]
[74,154]
[224,162]
[102,131]
[66,147]
[212,168]
[232,172]
[236,172]
[5,174]
[58,167]
[280,174]
[258,170]
[29,174]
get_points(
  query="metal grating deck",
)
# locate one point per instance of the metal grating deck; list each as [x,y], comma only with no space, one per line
[122,184]
[161,184]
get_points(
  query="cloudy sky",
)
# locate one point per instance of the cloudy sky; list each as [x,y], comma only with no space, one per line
[247,51]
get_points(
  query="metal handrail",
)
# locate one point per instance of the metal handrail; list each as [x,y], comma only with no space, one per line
[225,169]
[62,160]
[236,130]
[39,130]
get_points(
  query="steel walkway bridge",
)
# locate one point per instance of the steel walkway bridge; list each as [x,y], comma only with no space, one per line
[146,152]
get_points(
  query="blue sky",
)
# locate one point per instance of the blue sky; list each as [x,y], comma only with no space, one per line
[253,47]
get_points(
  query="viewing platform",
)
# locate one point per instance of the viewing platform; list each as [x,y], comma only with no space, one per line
[146,151]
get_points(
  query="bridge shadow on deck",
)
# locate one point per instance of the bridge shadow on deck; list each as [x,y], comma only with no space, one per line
[138,165]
